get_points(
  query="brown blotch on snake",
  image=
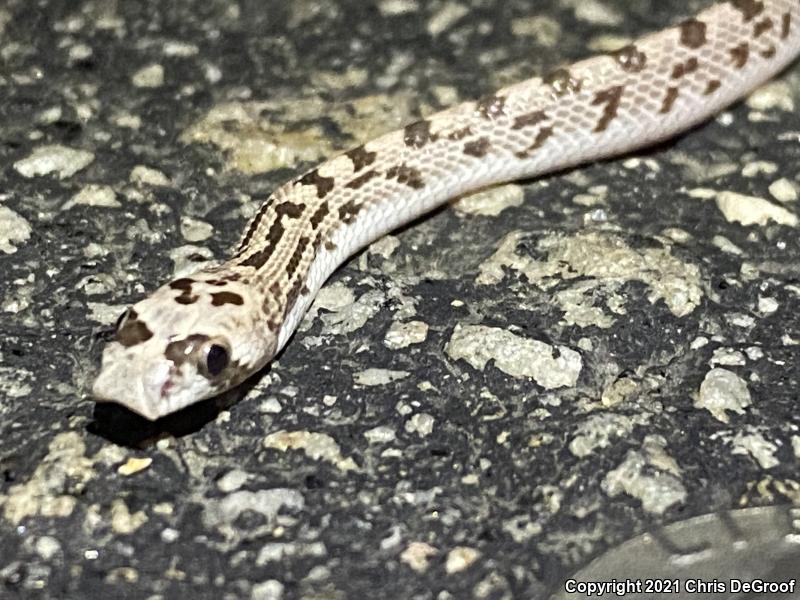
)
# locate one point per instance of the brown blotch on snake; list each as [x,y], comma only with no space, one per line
[610,98]
[186,298]
[562,82]
[319,240]
[299,250]
[267,306]
[407,175]
[323,184]
[749,8]
[491,106]
[291,209]
[274,290]
[769,52]
[257,259]
[528,119]
[478,148]
[348,211]
[541,137]
[251,230]
[630,58]
[220,298]
[669,99]
[786,25]
[681,69]
[739,54]
[133,331]
[763,26]
[418,134]
[179,351]
[712,87]
[288,207]
[291,296]
[184,283]
[459,134]
[319,215]
[693,33]
[361,179]
[360,157]
[273,324]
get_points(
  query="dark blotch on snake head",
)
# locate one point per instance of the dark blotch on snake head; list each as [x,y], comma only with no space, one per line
[130,330]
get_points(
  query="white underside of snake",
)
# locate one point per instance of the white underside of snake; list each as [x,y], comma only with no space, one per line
[199,335]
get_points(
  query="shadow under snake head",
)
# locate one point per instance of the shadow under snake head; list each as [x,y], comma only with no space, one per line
[191,339]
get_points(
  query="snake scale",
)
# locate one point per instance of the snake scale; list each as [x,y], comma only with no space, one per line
[202,334]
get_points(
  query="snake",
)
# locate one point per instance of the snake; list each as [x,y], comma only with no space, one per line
[202,334]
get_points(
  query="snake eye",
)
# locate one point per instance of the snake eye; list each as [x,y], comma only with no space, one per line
[217,359]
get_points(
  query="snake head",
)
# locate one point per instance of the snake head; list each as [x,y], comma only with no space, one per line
[191,339]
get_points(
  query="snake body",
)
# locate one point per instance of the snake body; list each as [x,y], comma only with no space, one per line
[200,335]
